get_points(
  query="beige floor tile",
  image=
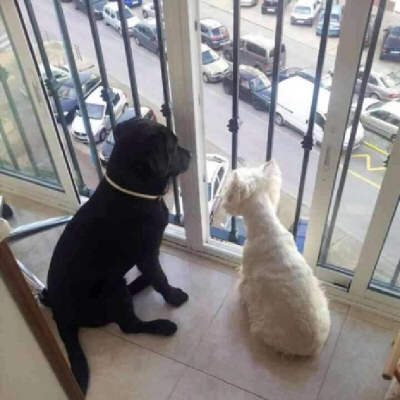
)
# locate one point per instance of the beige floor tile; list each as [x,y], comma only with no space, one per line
[124,371]
[373,318]
[228,352]
[357,364]
[195,385]
[207,289]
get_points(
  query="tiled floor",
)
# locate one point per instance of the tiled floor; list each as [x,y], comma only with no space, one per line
[212,356]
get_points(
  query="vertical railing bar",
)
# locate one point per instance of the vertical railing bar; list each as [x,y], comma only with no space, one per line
[129,58]
[275,78]
[50,85]
[166,107]
[395,275]
[78,86]
[100,60]
[20,128]
[307,142]
[8,147]
[356,118]
[233,124]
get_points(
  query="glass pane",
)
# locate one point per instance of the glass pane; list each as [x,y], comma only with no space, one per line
[344,239]
[24,150]
[387,269]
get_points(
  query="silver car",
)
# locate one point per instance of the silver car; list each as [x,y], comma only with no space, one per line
[380,86]
[382,118]
[248,3]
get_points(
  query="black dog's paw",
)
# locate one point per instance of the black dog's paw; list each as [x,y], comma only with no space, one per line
[162,327]
[176,297]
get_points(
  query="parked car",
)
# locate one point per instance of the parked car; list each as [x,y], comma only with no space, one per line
[293,109]
[97,6]
[309,75]
[271,6]
[248,3]
[382,118]
[145,34]
[256,51]
[380,86]
[304,12]
[148,10]
[60,74]
[69,103]
[112,18]
[391,44]
[254,87]
[97,112]
[213,33]
[213,66]
[129,113]
[334,21]
[130,3]
[217,168]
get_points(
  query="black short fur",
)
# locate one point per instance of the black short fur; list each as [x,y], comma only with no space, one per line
[109,235]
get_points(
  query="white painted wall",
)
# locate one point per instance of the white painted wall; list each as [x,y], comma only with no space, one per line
[24,370]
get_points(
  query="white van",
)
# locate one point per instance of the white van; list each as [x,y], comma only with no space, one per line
[111,17]
[293,109]
[304,12]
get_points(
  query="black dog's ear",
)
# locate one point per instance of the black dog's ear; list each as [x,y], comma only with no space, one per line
[125,127]
[160,154]
[118,132]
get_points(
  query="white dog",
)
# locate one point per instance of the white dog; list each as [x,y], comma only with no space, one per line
[287,308]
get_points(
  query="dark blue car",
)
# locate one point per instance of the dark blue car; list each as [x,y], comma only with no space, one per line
[254,87]
[67,93]
[131,3]
[97,6]
[391,44]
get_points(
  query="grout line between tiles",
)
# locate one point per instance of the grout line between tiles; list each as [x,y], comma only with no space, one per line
[184,364]
[333,352]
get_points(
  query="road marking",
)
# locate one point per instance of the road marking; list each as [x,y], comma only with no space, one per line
[368,166]
[357,175]
[376,148]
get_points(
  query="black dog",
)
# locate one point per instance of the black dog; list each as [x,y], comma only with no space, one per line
[110,234]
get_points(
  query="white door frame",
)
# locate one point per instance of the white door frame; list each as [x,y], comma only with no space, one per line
[67,199]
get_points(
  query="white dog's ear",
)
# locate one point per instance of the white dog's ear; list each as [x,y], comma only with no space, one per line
[272,174]
[233,194]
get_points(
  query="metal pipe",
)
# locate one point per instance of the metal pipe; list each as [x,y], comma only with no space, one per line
[8,147]
[275,78]
[233,125]
[308,140]
[50,84]
[166,107]
[108,96]
[356,119]
[32,278]
[78,86]
[35,227]
[3,78]
[129,58]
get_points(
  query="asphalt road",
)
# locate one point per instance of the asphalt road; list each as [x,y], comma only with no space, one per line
[364,177]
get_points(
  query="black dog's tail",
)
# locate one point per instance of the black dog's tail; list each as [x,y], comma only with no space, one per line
[76,356]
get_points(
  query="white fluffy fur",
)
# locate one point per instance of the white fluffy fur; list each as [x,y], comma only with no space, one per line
[287,308]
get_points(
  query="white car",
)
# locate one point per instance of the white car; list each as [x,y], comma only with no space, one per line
[304,12]
[382,118]
[213,66]
[293,108]
[111,17]
[97,111]
[248,3]
[217,171]
[148,10]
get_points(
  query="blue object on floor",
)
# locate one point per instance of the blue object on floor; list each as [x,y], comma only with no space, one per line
[301,234]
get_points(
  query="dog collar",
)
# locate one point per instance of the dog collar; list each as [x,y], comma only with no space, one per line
[131,192]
